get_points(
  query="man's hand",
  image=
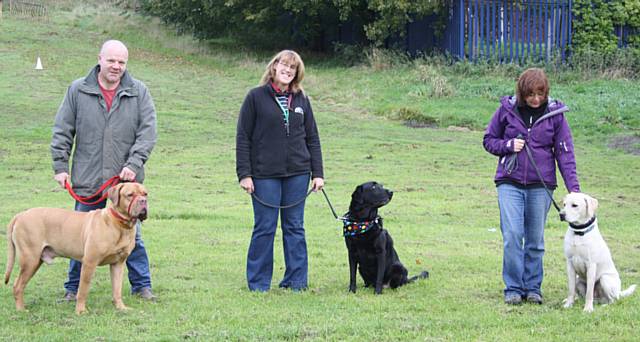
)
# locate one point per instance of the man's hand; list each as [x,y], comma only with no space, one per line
[127,175]
[61,178]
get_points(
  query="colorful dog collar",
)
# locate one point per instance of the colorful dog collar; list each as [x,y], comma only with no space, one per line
[353,228]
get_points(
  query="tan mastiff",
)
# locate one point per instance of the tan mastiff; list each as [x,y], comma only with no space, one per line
[100,237]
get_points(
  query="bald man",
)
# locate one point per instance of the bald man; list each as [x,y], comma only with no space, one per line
[108,120]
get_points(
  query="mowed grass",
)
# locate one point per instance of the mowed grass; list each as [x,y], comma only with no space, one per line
[443,217]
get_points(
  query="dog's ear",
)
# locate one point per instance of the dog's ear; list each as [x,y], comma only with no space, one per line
[356,196]
[356,200]
[114,194]
[592,205]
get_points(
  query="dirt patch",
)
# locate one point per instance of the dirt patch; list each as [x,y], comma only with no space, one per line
[627,143]
[458,129]
[420,124]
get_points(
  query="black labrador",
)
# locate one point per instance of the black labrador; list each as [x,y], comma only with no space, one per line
[370,245]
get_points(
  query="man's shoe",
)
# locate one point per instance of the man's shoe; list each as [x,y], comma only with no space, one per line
[146,294]
[69,297]
[513,299]
[534,298]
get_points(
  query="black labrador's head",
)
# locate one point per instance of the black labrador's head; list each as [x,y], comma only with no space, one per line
[366,199]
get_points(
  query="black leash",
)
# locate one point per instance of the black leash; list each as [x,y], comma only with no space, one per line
[330,206]
[253,194]
[526,148]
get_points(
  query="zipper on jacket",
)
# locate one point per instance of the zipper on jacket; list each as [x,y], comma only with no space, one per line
[285,115]
[545,116]
[526,160]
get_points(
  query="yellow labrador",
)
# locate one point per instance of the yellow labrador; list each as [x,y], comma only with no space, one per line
[590,269]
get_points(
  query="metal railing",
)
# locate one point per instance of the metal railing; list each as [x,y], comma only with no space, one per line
[509,31]
[26,9]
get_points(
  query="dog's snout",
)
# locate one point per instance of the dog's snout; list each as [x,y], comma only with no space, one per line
[142,201]
[143,214]
[562,216]
[390,193]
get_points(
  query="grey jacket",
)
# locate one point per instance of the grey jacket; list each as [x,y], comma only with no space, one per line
[105,142]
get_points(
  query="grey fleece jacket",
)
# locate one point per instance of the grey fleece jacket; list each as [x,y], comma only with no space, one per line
[105,142]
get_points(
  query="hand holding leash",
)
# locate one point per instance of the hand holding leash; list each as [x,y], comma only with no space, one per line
[317,184]
[127,175]
[62,178]
[246,184]
[518,144]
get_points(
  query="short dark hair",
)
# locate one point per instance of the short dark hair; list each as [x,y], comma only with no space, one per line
[531,80]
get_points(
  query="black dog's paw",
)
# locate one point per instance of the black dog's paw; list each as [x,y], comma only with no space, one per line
[379,290]
[352,288]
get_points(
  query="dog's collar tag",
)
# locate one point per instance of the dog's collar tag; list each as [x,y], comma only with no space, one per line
[353,228]
[583,228]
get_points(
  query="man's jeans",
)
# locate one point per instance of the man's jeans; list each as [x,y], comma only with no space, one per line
[137,262]
[523,214]
[278,191]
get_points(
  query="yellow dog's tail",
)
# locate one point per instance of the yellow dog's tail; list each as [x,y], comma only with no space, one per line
[628,291]
[11,250]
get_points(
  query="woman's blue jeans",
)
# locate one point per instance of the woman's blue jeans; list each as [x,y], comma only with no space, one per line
[282,192]
[523,214]
[137,262]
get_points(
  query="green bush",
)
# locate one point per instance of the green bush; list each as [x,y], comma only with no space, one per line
[414,117]
[595,22]
[307,23]
[620,63]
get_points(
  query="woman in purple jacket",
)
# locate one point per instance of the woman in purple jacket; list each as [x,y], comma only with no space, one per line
[529,120]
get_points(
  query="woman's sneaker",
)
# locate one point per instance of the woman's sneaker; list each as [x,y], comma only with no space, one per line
[513,299]
[534,298]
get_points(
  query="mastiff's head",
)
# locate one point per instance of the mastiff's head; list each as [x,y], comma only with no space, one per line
[129,200]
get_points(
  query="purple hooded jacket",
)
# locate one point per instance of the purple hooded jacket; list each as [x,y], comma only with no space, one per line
[549,140]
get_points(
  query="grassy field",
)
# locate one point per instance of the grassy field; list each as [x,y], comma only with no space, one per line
[443,217]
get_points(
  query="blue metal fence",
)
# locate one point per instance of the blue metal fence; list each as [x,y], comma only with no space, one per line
[508,30]
[497,30]
[624,33]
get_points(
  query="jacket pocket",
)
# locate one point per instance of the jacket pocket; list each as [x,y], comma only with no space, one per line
[542,135]
[299,157]
[564,147]
[84,175]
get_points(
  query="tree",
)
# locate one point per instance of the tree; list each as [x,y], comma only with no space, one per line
[290,22]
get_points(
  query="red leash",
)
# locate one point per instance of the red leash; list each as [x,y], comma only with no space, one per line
[85,199]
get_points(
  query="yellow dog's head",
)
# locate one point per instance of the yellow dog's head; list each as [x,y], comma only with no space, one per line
[578,208]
